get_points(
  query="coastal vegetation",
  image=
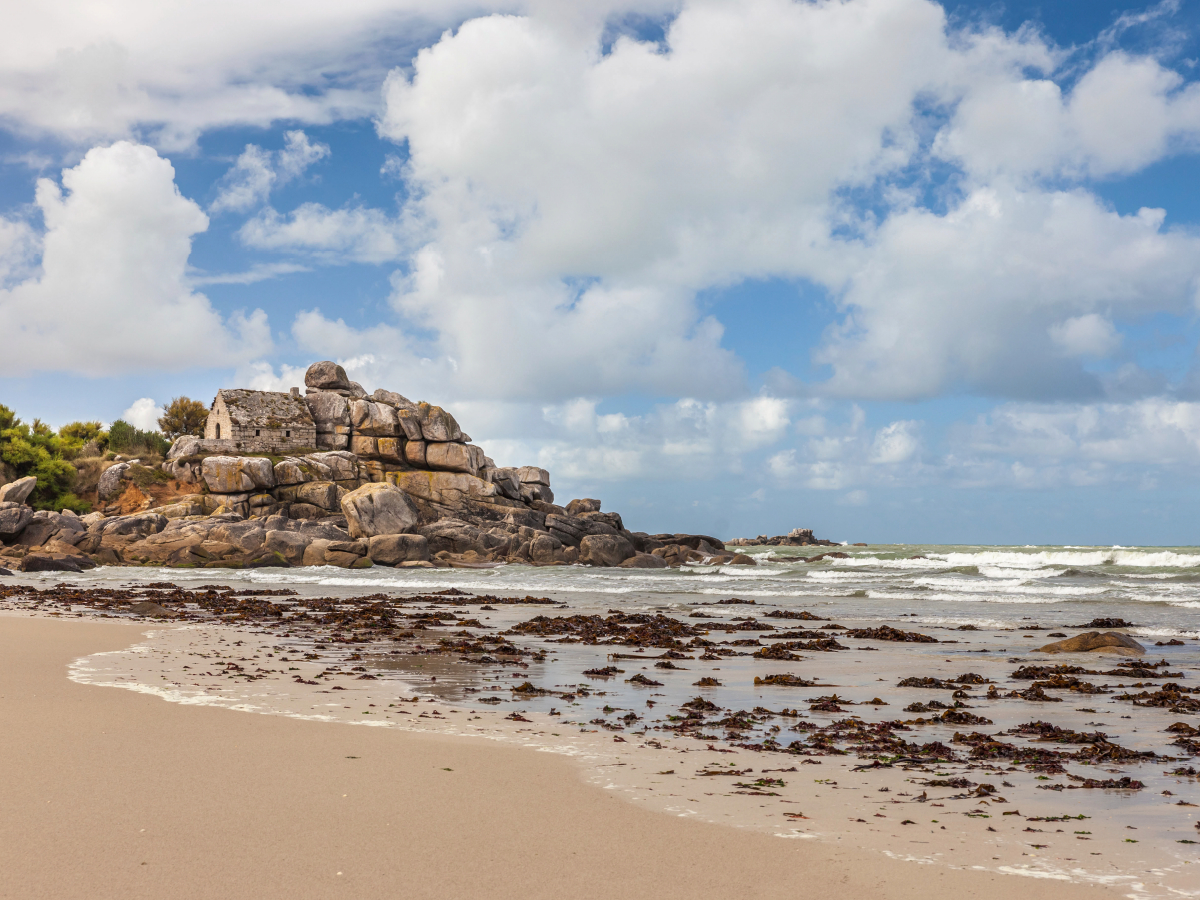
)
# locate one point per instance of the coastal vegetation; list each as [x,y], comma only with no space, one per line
[183,415]
[68,462]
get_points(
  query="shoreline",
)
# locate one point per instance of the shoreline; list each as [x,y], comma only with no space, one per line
[587,814]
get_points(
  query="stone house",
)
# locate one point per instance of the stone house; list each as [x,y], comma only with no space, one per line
[261,421]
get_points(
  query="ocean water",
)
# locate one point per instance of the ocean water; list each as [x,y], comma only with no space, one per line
[1145,842]
[1156,588]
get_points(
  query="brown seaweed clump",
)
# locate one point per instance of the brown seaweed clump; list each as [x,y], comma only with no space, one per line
[888,633]
[785,680]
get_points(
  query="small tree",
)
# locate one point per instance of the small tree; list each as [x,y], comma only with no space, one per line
[36,450]
[81,431]
[184,416]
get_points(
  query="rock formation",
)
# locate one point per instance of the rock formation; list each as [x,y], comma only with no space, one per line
[797,537]
[1097,642]
[390,482]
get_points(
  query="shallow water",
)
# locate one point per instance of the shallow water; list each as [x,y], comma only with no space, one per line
[1139,841]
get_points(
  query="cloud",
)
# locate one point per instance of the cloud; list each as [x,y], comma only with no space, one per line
[18,251]
[169,72]
[1154,432]
[557,188]
[258,171]
[896,443]
[1090,335]
[143,414]
[1124,113]
[256,273]
[112,293]
[989,295]
[352,234]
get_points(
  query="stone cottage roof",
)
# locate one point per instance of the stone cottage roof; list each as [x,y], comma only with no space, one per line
[265,409]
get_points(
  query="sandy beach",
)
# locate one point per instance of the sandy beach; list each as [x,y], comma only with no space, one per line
[109,793]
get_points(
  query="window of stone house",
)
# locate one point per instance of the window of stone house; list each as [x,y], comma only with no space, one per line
[287,434]
[257,432]
[218,431]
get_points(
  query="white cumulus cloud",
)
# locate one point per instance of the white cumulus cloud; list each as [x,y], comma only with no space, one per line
[111,295]
[143,414]
[258,171]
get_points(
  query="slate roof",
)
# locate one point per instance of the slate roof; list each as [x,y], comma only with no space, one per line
[265,409]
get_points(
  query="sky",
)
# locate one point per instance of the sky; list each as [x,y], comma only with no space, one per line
[894,270]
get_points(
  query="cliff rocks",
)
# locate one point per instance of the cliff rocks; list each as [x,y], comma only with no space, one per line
[391,482]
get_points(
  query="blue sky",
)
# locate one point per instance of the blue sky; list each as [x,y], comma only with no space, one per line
[894,270]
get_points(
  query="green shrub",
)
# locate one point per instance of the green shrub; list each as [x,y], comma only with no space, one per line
[124,438]
[35,449]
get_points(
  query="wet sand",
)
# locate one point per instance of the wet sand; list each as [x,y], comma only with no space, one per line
[111,793]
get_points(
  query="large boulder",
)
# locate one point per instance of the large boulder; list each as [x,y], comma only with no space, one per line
[533,475]
[185,445]
[322,494]
[408,421]
[18,491]
[437,424]
[110,481]
[371,418]
[612,520]
[288,544]
[237,474]
[414,453]
[458,537]
[245,536]
[392,399]
[326,376]
[507,481]
[291,470]
[141,524]
[393,549]
[447,489]
[331,415]
[342,466]
[37,532]
[364,445]
[604,550]
[545,549]
[378,509]
[451,457]
[586,505]
[1097,642]
[390,449]
[13,519]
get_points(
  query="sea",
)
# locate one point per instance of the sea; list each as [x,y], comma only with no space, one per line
[989,608]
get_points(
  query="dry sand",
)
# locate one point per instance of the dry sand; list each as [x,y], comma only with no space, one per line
[109,793]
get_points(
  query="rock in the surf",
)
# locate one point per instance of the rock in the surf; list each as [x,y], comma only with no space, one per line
[1097,642]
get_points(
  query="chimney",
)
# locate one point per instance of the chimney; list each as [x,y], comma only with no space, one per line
[296,392]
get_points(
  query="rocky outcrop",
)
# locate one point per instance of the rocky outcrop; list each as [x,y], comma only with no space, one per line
[392,482]
[604,550]
[375,509]
[110,481]
[236,474]
[797,537]
[18,491]
[326,376]
[1097,642]
[13,519]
